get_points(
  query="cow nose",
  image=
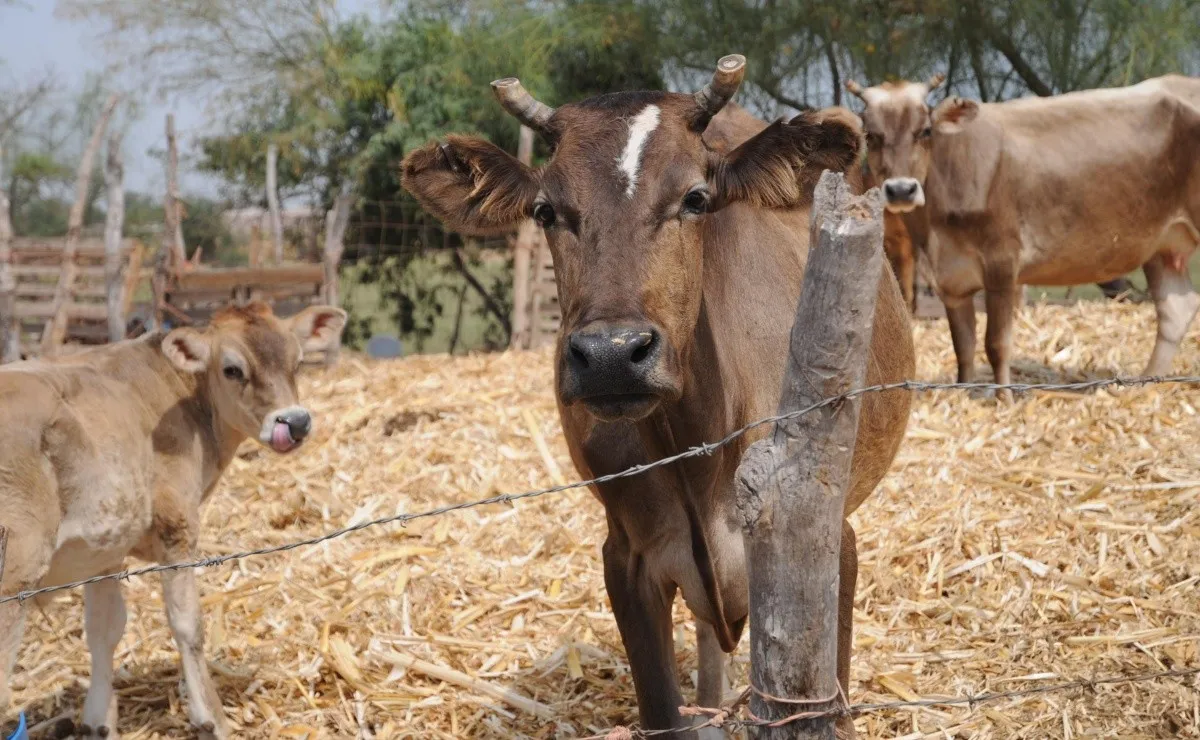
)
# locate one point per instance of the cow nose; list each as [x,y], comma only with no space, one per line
[299,423]
[900,190]
[613,360]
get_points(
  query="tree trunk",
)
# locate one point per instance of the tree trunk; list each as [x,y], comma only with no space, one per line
[273,201]
[10,327]
[523,250]
[792,485]
[173,229]
[114,223]
[55,329]
[336,222]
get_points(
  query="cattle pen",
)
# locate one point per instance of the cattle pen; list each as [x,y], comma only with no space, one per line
[1010,549]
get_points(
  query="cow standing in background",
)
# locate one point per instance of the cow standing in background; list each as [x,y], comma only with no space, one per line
[679,269]
[1066,190]
[111,452]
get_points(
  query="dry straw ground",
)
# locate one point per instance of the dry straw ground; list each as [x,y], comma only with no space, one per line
[1055,539]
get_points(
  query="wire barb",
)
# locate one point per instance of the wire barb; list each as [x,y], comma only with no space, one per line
[697,451]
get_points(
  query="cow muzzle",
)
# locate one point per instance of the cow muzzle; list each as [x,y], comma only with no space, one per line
[903,194]
[284,429]
[618,371]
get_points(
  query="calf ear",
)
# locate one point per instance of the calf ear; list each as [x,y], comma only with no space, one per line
[954,113]
[317,326]
[779,167]
[471,185]
[187,349]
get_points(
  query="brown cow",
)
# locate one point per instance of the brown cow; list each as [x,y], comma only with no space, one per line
[678,270]
[1072,189]
[111,452]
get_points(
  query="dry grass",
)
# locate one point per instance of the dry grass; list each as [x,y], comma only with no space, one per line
[1049,540]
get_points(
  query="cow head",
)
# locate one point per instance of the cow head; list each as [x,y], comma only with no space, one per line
[899,129]
[624,202]
[248,358]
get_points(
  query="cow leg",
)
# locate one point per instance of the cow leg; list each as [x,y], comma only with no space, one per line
[1000,299]
[104,621]
[908,280]
[961,317]
[711,686]
[643,613]
[848,582]
[183,613]
[1176,303]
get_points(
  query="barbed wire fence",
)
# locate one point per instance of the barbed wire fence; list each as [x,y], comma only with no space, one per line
[729,716]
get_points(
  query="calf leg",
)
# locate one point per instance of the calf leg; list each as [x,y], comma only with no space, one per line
[104,621]
[848,581]
[961,317]
[643,613]
[1176,303]
[1001,296]
[183,614]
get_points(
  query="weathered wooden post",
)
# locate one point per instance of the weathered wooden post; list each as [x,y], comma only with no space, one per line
[173,228]
[523,250]
[55,329]
[10,327]
[273,202]
[792,484]
[336,222]
[114,224]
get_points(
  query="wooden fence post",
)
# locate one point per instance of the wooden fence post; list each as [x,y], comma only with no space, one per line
[524,248]
[273,202]
[3,549]
[10,327]
[336,222]
[791,486]
[173,228]
[114,223]
[55,329]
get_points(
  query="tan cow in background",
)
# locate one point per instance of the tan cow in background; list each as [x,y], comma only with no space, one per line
[111,452]
[1077,188]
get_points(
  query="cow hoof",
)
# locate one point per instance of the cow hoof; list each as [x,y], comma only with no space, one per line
[88,732]
[212,731]
[64,728]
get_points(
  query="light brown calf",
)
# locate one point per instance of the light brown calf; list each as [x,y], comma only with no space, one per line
[112,451]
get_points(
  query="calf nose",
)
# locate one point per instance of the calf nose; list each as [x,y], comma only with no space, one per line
[299,423]
[901,190]
[613,360]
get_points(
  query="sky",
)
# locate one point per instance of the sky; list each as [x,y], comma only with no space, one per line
[33,40]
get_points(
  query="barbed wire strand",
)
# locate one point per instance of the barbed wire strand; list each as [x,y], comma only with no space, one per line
[722,717]
[699,450]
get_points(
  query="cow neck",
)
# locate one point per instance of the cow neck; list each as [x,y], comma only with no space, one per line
[664,440]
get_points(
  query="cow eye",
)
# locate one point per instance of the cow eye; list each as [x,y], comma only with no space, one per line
[695,202]
[544,214]
[874,141]
[233,372]
[925,133]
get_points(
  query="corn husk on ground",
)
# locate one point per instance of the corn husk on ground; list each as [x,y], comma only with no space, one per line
[1050,540]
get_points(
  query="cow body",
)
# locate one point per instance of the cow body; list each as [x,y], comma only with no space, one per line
[1079,188]
[111,452]
[680,241]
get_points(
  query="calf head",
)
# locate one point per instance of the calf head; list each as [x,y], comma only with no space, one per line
[248,358]
[899,130]
[625,202]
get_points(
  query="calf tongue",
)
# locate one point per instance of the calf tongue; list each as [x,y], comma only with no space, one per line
[281,437]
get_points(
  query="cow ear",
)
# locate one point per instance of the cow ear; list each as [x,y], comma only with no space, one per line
[187,349]
[471,185]
[954,113]
[317,326]
[779,167]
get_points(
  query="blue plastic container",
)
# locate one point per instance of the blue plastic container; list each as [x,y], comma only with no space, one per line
[21,733]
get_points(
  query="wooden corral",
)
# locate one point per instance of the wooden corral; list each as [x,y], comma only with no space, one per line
[37,265]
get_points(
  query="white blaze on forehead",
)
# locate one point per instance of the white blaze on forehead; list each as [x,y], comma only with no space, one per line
[640,128]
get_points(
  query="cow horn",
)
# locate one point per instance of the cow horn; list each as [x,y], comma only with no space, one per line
[855,89]
[711,98]
[521,105]
[936,81]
